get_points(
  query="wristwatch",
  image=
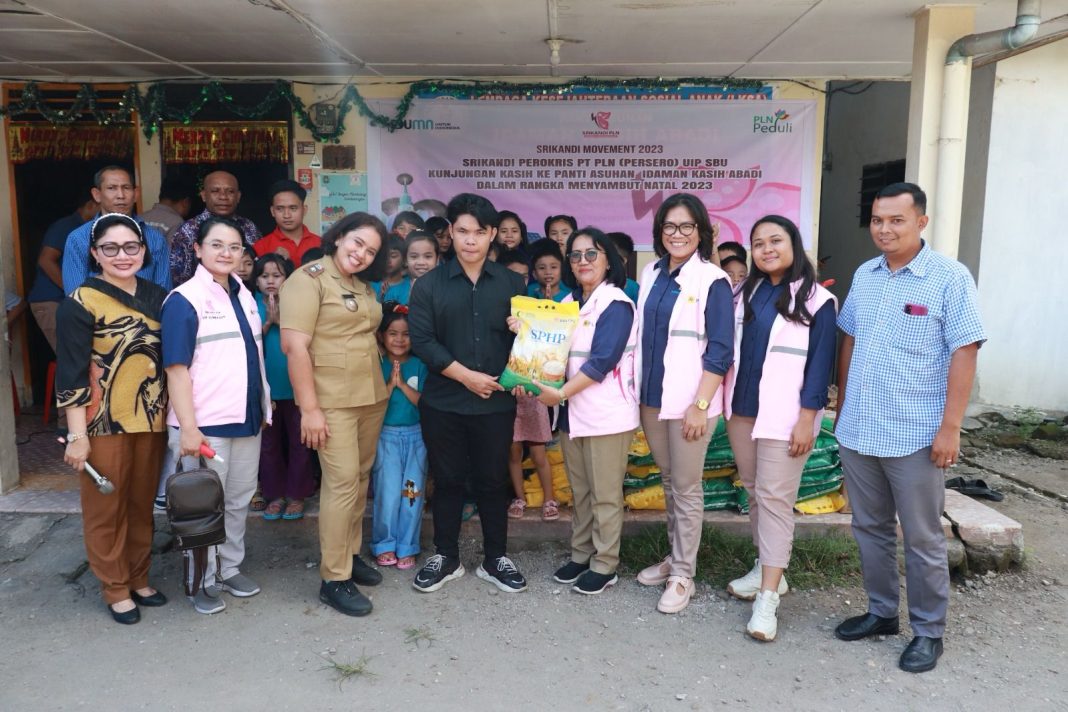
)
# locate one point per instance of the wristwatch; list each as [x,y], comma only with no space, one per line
[73,437]
[701,404]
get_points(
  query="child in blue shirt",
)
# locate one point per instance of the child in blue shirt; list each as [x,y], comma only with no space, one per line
[546,263]
[400,463]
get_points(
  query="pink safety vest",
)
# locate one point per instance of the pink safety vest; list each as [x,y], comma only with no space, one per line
[220,381]
[783,374]
[611,406]
[686,337]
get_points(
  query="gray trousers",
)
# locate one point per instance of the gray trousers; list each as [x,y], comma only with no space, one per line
[913,488]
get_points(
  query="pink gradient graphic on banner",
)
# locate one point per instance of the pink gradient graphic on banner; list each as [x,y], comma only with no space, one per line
[611,168]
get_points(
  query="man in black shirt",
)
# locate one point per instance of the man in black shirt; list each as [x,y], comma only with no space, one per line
[458,321]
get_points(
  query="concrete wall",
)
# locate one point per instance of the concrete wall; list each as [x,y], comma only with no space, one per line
[1023,262]
[862,129]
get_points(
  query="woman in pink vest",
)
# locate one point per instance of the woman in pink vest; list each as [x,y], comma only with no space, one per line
[218,391]
[775,394]
[684,334]
[598,413]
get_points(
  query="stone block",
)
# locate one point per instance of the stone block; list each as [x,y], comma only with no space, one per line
[991,540]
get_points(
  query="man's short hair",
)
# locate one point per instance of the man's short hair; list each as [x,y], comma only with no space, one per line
[919,198]
[512,257]
[98,177]
[175,188]
[735,248]
[481,209]
[286,186]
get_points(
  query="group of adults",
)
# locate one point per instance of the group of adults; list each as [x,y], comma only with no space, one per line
[690,350]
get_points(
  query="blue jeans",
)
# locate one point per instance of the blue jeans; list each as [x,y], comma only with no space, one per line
[399,475]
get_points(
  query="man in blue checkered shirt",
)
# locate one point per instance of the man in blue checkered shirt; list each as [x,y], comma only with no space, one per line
[911,336]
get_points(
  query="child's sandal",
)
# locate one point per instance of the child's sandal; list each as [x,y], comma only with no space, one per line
[294,510]
[516,508]
[405,562]
[550,511]
[386,558]
[258,503]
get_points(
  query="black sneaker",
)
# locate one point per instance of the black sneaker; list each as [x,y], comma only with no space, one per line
[569,572]
[591,583]
[343,596]
[436,572]
[363,574]
[503,574]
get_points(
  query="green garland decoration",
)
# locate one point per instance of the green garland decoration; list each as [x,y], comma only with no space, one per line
[153,108]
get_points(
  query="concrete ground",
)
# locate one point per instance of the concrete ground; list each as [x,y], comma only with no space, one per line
[472,647]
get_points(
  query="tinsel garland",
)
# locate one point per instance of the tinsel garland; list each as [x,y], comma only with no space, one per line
[153,108]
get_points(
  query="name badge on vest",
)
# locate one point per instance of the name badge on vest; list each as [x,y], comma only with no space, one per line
[350,302]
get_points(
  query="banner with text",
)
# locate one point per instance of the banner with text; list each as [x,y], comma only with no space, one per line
[609,165]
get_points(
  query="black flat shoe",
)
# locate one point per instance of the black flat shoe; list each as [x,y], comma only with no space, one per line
[153,601]
[865,626]
[126,617]
[363,574]
[921,654]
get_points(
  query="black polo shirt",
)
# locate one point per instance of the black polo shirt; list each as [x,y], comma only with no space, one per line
[451,319]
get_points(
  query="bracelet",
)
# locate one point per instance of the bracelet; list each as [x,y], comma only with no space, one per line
[72,437]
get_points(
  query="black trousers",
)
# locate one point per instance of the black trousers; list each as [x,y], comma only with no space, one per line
[469,449]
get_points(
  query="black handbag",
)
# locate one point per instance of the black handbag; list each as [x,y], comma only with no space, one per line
[196,511]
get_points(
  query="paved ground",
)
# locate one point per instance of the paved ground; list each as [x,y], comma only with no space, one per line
[470,647]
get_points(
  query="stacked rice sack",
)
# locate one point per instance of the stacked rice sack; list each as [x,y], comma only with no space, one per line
[532,485]
[818,493]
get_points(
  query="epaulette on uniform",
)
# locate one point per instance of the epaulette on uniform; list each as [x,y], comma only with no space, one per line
[314,269]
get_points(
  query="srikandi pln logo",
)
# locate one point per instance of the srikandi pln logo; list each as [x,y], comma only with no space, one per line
[779,122]
[602,120]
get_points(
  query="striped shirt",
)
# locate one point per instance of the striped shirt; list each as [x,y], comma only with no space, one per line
[906,325]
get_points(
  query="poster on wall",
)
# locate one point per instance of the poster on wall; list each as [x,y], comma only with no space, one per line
[340,194]
[610,165]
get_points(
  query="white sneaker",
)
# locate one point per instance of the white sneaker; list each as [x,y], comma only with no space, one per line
[763,625]
[747,587]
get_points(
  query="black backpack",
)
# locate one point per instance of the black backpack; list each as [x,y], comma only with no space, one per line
[195,509]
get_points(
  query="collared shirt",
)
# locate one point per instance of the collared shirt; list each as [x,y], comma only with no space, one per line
[76,257]
[180,326]
[276,241]
[44,289]
[184,259]
[164,218]
[451,319]
[906,325]
[719,326]
[754,349]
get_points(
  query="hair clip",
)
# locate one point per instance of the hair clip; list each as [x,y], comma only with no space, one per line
[400,309]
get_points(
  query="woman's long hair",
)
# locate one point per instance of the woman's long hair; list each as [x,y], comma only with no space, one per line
[801,269]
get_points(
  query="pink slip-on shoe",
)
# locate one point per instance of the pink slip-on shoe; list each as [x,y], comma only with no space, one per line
[676,594]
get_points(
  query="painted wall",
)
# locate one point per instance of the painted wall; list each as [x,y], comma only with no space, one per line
[1024,362]
[862,129]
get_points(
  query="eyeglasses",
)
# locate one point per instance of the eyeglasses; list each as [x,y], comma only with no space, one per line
[235,249]
[110,249]
[590,255]
[684,229]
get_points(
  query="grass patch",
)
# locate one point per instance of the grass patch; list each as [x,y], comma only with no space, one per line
[817,562]
[345,671]
[418,635]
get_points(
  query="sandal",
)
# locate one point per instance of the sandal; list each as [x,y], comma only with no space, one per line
[974,488]
[516,508]
[386,558]
[405,562]
[294,510]
[550,511]
[258,503]
[273,510]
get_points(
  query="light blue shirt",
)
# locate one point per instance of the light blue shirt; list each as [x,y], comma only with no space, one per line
[76,257]
[906,325]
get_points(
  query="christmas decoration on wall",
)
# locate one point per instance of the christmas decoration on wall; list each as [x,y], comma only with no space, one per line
[326,121]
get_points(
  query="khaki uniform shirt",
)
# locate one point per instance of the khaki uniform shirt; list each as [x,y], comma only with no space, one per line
[340,314]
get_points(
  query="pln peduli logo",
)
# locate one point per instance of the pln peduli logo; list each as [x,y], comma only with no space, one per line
[779,122]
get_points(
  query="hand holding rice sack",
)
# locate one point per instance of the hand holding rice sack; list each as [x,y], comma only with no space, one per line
[543,331]
[599,407]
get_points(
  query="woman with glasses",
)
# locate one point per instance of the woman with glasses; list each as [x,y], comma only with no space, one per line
[685,339]
[598,408]
[329,317]
[109,380]
[218,392]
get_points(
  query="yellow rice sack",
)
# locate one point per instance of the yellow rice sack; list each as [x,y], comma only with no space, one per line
[825,504]
[646,498]
[542,344]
